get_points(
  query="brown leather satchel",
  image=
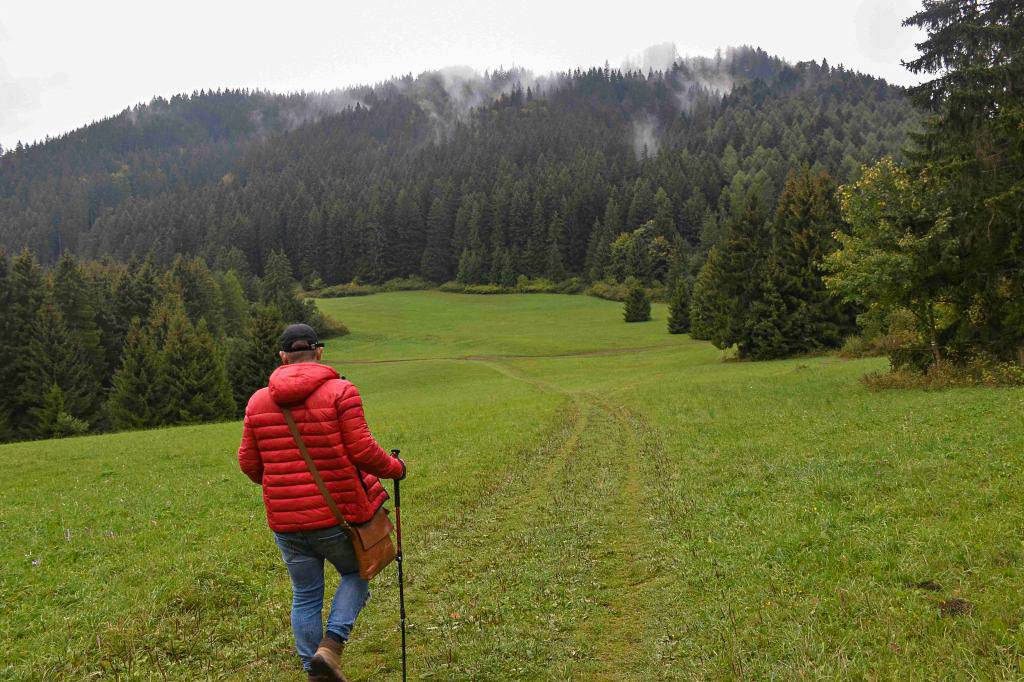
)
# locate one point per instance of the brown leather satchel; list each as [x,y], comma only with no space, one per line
[371,540]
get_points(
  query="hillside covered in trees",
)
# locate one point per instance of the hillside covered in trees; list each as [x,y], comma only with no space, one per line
[95,346]
[450,174]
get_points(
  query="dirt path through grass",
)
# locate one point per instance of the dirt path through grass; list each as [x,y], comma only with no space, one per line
[554,571]
[567,562]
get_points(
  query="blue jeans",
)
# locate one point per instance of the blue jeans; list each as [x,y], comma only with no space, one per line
[304,553]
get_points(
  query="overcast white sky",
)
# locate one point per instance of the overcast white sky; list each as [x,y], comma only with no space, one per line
[64,64]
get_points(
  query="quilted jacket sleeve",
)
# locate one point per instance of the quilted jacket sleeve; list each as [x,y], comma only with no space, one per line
[362,449]
[249,459]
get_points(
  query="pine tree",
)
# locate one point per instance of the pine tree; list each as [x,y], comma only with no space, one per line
[554,268]
[52,355]
[78,303]
[434,265]
[52,419]
[679,262]
[707,305]
[197,383]
[159,322]
[679,309]
[504,264]
[793,312]
[605,232]
[280,289]
[411,234]
[597,253]
[971,155]
[532,258]
[637,307]
[7,349]
[641,208]
[136,290]
[767,331]
[373,246]
[253,358]
[199,291]
[664,216]
[471,267]
[135,401]
[730,280]
[47,414]
[234,307]
[26,292]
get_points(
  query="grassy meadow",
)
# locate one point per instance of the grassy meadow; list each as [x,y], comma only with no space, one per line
[587,500]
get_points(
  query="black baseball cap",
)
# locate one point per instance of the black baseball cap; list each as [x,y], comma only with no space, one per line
[296,337]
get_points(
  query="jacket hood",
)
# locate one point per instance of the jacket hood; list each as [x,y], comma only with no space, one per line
[292,384]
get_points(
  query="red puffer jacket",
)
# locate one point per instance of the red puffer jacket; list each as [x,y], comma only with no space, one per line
[329,414]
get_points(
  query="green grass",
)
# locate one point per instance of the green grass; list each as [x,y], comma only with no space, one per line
[642,514]
[430,324]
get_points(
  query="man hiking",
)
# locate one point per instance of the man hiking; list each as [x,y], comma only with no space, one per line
[329,414]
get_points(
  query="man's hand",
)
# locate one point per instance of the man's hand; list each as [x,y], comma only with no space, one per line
[394,453]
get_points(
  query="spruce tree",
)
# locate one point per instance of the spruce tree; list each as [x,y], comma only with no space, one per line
[134,401]
[253,358]
[554,268]
[641,207]
[78,302]
[52,419]
[199,291]
[664,216]
[679,309]
[25,294]
[532,258]
[47,414]
[637,307]
[707,305]
[135,291]
[793,312]
[597,253]
[52,355]
[405,251]
[234,307]
[971,154]
[768,331]
[471,267]
[197,383]
[730,280]
[506,269]
[434,264]
[7,349]
[605,232]
[280,290]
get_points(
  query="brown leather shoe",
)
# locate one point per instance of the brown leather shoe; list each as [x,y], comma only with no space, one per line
[326,663]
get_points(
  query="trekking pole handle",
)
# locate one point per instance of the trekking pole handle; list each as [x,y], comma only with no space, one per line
[394,453]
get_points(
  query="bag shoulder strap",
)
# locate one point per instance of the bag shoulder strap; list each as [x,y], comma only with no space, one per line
[331,504]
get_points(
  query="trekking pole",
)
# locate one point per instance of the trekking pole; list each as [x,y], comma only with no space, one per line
[398,559]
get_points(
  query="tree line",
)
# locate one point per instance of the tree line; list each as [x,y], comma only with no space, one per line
[537,182]
[91,346]
[924,256]
[763,214]
[934,253]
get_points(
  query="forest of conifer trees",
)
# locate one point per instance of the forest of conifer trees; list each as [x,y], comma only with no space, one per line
[405,182]
[780,209]
[96,345]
